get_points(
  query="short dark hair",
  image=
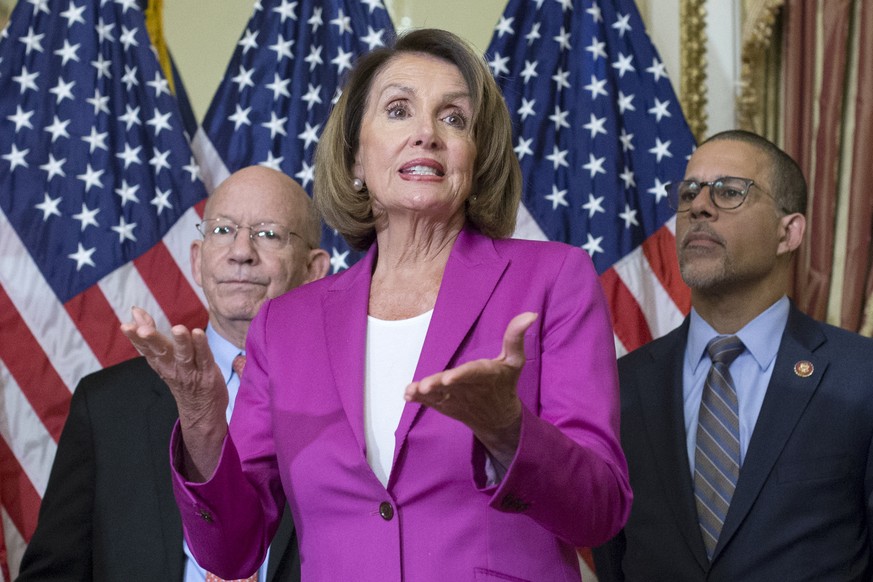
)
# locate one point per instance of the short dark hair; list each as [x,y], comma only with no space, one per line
[787,182]
[496,180]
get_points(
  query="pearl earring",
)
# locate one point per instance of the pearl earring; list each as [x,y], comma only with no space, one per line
[358,184]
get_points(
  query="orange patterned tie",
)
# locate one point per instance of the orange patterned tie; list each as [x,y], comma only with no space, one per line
[238,364]
[210,577]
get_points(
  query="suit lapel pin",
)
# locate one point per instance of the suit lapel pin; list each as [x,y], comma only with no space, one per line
[803,368]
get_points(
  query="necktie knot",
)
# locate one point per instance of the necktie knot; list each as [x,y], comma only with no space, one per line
[238,364]
[724,349]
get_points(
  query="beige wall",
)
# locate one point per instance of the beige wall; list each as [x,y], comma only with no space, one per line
[5,9]
[202,34]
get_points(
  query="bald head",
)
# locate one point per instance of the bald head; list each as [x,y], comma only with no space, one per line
[298,212]
[239,274]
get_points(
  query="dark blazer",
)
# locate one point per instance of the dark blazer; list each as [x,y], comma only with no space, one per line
[803,506]
[108,512]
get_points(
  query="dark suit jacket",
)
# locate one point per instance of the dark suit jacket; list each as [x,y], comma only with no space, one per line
[803,506]
[108,512]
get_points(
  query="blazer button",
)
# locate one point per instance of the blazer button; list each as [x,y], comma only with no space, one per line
[386,511]
[204,515]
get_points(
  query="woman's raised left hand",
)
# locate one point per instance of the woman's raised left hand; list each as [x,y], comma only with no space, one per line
[483,393]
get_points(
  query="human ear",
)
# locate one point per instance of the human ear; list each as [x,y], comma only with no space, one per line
[318,262]
[792,227]
[196,251]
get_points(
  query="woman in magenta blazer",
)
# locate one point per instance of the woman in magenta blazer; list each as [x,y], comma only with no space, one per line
[445,409]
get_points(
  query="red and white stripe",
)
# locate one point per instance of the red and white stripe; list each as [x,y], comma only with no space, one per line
[646,294]
[47,346]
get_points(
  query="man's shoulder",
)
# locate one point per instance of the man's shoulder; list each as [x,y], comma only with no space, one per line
[837,342]
[119,397]
[130,375]
[656,350]
[847,339]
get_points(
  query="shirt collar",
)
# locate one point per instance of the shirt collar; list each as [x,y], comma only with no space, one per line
[761,336]
[223,351]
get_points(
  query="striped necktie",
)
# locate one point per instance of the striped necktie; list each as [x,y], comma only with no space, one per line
[717,457]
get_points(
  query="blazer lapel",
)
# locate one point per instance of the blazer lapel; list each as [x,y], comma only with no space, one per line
[345,317]
[664,418]
[471,273]
[788,395]
[162,415]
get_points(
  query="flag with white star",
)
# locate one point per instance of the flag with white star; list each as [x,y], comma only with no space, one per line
[281,82]
[598,131]
[97,192]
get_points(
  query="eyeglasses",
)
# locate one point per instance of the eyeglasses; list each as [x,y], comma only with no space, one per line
[726,193]
[265,235]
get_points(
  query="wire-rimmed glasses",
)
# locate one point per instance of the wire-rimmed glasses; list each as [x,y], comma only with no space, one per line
[266,235]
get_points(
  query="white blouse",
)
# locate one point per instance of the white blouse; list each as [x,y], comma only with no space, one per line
[393,349]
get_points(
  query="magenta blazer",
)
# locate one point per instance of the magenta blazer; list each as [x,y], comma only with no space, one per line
[298,433]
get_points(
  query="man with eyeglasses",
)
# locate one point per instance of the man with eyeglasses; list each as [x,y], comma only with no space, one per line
[108,512]
[748,430]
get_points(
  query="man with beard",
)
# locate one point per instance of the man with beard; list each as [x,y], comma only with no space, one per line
[748,430]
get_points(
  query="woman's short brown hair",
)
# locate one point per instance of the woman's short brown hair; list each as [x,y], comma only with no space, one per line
[496,185]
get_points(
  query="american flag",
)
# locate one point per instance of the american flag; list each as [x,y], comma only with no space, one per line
[598,132]
[98,188]
[282,80]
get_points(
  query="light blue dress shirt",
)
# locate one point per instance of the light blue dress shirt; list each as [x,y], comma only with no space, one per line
[751,371]
[224,353]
